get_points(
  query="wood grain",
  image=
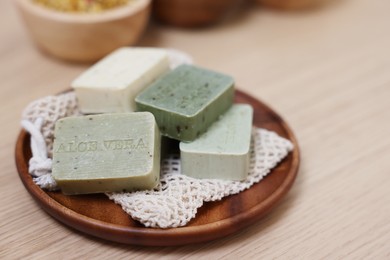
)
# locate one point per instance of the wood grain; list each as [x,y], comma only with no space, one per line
[326,72]
[292,4]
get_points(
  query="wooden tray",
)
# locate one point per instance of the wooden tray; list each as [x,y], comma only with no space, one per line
[98,216]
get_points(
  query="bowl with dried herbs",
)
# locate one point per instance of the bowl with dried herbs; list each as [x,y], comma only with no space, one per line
[84,30]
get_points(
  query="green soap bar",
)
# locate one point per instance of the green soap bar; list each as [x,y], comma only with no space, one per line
[187,101]
[223,151]
[106,153]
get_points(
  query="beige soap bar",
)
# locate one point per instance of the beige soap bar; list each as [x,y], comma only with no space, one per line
[112,84]
[106,153]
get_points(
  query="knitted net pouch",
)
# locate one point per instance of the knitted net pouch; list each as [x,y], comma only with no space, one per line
[176,199]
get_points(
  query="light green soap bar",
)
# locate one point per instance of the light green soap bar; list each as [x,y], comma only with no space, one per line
[110,86]
[223,151]
[106,153]
[187,100]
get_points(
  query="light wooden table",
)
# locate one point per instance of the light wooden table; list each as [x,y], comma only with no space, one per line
[326,72]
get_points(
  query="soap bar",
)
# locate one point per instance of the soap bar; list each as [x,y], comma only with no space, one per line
[223,151]
[112,84]
[187,100]
[106,153]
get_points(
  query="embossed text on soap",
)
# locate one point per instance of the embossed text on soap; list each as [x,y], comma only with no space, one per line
[104,145]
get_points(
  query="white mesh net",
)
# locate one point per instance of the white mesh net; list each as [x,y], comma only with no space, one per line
[176,200]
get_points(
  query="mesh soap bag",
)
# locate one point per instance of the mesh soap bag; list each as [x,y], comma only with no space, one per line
[175,201]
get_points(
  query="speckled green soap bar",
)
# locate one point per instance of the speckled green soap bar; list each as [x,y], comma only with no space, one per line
[106,153]
[186,101]
[223,151]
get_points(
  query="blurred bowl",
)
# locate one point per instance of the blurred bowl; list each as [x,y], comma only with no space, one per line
[291,4]
[84,37]
[192,13]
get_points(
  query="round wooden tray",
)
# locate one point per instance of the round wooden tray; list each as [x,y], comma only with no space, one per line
[98,216]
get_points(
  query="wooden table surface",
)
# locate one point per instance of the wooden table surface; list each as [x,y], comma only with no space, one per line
[327,72]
